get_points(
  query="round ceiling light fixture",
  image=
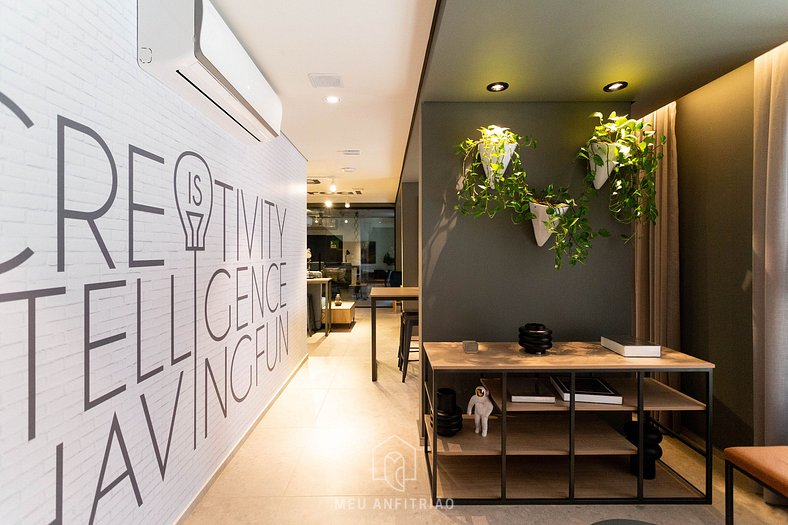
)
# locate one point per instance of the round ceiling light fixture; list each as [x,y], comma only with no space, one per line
[347,203]
[332,187]
[328,203]
[615,86]
[496,87]
[332,99]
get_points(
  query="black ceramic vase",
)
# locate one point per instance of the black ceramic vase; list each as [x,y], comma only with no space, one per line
[535,338]
[652,437]
[449,415]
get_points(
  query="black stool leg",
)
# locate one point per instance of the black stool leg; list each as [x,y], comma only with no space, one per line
[728,493]
[406,346]
[400,351]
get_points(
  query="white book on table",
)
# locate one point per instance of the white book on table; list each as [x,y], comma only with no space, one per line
[630,346]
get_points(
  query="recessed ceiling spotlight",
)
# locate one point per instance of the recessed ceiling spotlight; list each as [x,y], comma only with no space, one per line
[329,203]
[615,86]
[345,221]
[495,87]
[332,99]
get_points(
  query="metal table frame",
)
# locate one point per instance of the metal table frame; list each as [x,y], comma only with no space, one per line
[385,293]
[428,404]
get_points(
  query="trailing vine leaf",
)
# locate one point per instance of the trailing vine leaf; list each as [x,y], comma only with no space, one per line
[637,155]
[500,189]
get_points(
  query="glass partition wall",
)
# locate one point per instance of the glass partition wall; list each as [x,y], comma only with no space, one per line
[355,247]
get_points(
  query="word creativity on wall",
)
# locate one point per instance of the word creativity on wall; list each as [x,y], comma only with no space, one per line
[152,293]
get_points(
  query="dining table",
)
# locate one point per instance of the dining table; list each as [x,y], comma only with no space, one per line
[387,293]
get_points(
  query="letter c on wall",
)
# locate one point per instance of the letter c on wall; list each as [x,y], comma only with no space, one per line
[25,254]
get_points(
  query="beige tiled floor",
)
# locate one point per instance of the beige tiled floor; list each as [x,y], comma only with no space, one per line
[310,459]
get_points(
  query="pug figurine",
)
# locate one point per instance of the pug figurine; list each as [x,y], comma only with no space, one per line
[481,407]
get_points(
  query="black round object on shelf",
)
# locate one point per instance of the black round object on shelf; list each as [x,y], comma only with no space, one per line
[447,400]
[535,338]
[448,422]
[652,436]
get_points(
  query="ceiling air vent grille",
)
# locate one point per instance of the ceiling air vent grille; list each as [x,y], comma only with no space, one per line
[325,80]
[312,181]
[351,152]
[354,192]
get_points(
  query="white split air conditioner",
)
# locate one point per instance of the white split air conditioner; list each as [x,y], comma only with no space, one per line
[186,45]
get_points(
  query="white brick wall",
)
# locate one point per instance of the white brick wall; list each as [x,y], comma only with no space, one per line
[78,60]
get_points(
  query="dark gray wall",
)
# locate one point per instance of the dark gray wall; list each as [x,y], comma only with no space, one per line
[409,196]
[714,128]
[483,278]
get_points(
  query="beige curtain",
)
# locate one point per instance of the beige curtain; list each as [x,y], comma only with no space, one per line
[657,310]
[770,251]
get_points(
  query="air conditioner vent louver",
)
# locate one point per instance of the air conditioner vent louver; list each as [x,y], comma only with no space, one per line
[351,152]
[186,45]
[312,181]
[325,80]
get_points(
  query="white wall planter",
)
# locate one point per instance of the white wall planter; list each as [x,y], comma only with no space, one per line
[608,155]
[540,229]
[489,155]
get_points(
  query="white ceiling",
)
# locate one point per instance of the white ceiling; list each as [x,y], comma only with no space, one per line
[548,50]
[377,47]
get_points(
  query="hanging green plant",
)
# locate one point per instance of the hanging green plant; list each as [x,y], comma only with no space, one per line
[492,178]
[568,222]
[626,152]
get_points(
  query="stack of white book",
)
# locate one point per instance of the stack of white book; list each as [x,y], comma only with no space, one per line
[631,347]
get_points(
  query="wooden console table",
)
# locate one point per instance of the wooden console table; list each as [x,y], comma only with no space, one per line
[562,452]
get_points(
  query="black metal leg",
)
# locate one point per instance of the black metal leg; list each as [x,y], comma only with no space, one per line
[728,493]
[709,455]
[374,350]
[401,344]
[572,409]
[434,480]
[641,431]
[504,400]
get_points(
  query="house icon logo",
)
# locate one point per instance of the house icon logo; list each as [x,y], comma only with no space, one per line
[394,461]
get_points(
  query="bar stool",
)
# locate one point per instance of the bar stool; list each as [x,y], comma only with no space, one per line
[408,321]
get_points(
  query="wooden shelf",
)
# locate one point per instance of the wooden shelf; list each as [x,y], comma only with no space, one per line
[656,395]
[536,435]
[548,477]
[537,460]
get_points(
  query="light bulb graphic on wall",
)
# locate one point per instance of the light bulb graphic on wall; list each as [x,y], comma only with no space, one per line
[193,186]
[194,198]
